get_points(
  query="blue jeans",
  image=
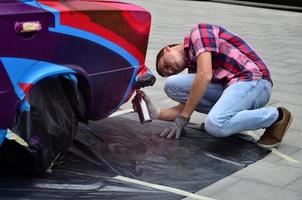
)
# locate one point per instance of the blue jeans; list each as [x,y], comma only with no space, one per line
[237,108]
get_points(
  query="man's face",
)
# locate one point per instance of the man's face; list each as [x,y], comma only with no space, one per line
[171,63]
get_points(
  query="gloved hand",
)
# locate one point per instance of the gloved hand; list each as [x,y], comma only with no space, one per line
[153,110]
[175,129]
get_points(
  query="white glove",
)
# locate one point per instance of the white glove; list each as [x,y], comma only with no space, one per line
[153,110]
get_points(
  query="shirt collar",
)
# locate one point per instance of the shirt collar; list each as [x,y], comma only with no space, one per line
[186,47]
[191,65]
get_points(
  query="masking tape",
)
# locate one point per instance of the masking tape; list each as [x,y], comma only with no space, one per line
[13,136]
[252,134]
[120,112]
[163,188]
[285,157]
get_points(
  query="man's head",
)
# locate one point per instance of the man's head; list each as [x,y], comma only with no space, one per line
[171,60]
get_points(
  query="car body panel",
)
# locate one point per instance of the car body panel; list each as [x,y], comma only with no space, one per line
[102,42]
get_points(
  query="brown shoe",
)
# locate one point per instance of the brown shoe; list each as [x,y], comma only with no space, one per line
[273,135]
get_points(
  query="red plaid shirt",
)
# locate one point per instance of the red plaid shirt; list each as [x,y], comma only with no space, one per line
[233,59]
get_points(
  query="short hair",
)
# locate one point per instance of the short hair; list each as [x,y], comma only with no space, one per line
[160,54]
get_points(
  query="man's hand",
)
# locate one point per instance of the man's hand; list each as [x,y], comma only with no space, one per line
[175,129]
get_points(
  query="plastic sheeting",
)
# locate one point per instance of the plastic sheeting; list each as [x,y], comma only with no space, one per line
[46,123]
[122,146]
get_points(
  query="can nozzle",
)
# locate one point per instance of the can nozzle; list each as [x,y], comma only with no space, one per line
[140,106]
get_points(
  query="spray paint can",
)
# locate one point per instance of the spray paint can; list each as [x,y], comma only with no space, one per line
[140,106]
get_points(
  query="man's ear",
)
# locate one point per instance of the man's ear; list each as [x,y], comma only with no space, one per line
[167,49]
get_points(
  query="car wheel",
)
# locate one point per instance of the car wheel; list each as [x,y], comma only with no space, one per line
[48,127]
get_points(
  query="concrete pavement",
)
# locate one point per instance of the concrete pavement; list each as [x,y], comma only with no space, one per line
[276,36]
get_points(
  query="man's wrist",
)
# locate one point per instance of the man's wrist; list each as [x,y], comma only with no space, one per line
[181,122]
[158,113]
[187,119]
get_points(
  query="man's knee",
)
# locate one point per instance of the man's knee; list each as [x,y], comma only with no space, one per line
[171,87]
[216,126]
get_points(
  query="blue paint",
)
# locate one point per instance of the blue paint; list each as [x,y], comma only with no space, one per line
[133,78]
[97,39]
[72,78]
[15,68]
[21,70]
[148,72]
[44,69]
[87,35]
[30,2]
[2,135]
[24,105]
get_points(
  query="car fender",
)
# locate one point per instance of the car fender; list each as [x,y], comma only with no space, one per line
[24,73]
[29,72]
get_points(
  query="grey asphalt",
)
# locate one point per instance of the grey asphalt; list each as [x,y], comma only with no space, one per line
[276,36]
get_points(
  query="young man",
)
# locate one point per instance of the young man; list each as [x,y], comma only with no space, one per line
[227,80]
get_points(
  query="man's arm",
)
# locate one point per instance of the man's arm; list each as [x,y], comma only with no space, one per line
[167,114]
[200,84]
[199,87]
[170,114]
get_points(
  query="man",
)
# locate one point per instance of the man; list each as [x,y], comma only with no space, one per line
[227,80]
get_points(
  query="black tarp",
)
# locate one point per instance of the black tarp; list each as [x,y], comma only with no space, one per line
[122,146]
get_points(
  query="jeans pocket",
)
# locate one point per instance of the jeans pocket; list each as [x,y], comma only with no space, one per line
[268,91]
[263,95]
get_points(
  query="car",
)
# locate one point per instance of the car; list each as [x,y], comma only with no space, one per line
[62,62]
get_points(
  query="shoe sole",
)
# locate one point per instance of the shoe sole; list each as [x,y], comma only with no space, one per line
[276,144]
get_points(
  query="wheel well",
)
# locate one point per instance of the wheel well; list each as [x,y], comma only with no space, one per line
[85,89]
[79,96]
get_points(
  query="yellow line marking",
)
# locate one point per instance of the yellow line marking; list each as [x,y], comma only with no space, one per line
[285,157]
[274,150]
[163,188]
